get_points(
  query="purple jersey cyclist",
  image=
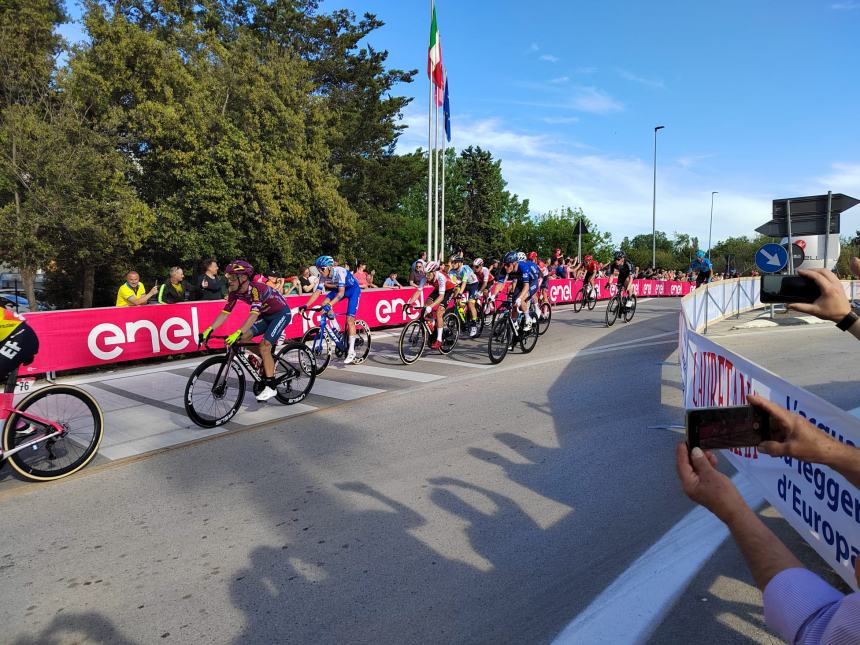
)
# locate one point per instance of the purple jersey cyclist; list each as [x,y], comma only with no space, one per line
[269,316]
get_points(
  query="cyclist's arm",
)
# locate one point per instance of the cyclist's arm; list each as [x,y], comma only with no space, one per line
[219,320]
[249,321]
[312,299]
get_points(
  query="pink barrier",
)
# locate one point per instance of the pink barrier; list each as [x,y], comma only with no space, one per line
[77,338]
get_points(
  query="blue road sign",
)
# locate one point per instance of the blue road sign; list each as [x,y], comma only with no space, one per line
[771,258]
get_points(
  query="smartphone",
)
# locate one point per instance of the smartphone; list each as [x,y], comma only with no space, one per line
[788,288]
[727,427]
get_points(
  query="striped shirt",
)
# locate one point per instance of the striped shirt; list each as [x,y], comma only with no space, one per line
[803,609]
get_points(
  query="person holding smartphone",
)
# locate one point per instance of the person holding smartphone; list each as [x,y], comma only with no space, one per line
[799,605]
[832,304]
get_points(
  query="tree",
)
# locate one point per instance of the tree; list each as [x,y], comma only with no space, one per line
[28,46]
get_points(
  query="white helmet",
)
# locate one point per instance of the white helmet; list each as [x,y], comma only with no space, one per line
[521,257]
[478,262]
[431,266]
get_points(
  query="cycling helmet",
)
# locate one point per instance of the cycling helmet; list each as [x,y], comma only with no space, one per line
[618,255]
[700,254]
[431,266]
[239,267]
[324,261]
[521,257]
[457,258]
[510,257]
[478,262]
[588,258]
[533,255]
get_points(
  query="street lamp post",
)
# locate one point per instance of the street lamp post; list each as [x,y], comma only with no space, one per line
[654,205]
[711,224]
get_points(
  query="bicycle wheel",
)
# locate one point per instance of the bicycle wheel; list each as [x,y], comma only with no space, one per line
[578,301]
[591,299]
[321,351]
[450,332]
[214,392]
[81,419]
[544,318]
[631,307]
[362,341]
[295,373]
[500,340]
[612,308]
[412,341]
[528,339]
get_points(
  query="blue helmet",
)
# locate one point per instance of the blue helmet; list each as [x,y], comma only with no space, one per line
[700,254]
[324,261]
[510,257]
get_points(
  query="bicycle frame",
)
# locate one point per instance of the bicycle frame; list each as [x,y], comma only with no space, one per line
[7,409]
[238,353]
[327,331]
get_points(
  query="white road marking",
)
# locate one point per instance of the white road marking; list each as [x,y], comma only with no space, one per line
[454,361]
[386,372]
[343,391]
[635,604]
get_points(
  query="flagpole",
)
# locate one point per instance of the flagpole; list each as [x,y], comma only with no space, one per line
[430,163]
[436,249]
[442,237]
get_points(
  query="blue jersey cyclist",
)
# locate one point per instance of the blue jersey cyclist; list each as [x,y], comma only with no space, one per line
[526,278]
[703,266]
[468,283]
[342,285]
[269,316]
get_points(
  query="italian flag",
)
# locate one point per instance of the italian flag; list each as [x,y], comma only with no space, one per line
[434,55]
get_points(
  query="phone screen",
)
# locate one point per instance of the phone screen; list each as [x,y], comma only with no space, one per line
[727,427]
[788,288]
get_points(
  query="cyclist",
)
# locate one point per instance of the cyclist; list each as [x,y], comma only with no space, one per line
[443,289]
[526,278]
[18,346]
[543,286]
[591,269]
[624,267]
[485,276]
[269,316]
[341,284]
[468,283]
[703,266]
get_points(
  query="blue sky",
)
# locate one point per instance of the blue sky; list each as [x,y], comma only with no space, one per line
[759,98]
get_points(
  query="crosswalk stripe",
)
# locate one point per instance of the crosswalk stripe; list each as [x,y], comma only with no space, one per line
[455,362]
[343,391]
[403,375]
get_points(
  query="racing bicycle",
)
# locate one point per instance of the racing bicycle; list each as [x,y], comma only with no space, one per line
[507,330]
[620,307]
[415,335]
[52,432]
[464,316]
[585,297]
[216,387]
[328,339]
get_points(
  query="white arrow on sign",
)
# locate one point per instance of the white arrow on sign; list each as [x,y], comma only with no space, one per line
[771,259]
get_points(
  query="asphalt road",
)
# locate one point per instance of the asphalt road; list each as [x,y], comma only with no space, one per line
[489,506]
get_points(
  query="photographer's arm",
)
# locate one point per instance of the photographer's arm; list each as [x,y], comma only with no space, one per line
[832,304]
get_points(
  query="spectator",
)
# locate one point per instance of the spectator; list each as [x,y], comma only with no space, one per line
[365,279]
[307,281]
[132,292]
[281,285]
[798,605]
[208,286]
[391,281]
[176,289]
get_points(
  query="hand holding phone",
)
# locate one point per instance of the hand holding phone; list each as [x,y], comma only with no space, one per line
[739,426]
[789,288]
